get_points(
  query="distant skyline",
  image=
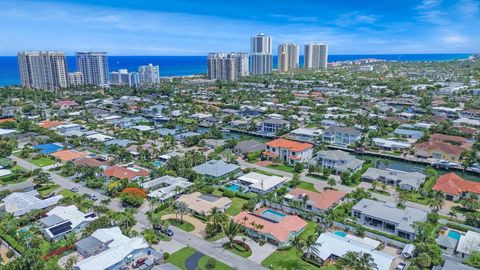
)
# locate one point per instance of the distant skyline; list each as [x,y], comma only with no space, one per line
[195,27]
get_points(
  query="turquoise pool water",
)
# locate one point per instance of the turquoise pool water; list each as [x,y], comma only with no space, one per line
[454,234]
[340,233]
[233,187]
[157,163]
[272,212]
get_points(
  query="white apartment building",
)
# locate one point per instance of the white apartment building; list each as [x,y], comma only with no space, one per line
[261,55]
[316,56]
[123,77]
[94,67]
[43,70]
[75,78]
[149,74]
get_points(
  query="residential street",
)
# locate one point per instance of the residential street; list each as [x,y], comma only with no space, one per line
[67,183]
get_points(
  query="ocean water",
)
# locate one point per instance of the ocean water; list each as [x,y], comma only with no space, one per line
[191,65]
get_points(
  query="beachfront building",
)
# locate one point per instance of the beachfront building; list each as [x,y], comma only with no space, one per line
[271,226]
[43,70]
[149,74]
[289,151]
[316,56]
[261,55]
[94,67]
[386,217]
[288,57]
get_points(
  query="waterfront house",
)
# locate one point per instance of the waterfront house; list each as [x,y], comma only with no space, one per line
[453,187]
[272,125]
[249,146]
[342,136]
[306,134]
[386,217]
[404,180]
[390,145]
[439,150]
[62,220]
[270,226]
[217,169]
[409,133]
[339,161]
[289,151]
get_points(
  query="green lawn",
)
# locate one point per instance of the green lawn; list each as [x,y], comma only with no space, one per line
[281,167]
[265,172]
[239,250]
[17,176]
[379,191]
[47,189]
[178,259]
[307,186]
[185,225]
[43,161]
[66,193]
[236,207]
[291,259]
[416,198]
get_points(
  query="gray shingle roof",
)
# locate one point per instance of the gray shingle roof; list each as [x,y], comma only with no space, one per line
[215,168]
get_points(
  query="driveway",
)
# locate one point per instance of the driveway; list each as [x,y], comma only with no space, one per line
[259,253]
[199,226]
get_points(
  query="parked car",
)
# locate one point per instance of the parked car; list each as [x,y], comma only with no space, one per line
[93,197]
[75,189]
[167,231]
[140,262]
[400,266]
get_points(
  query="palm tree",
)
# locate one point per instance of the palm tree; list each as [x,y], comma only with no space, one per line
[374,184]
[311,246]
[357,261]
[331,182]
[231,229]
[216,216]
[298,243]
[437,202]
[182,209]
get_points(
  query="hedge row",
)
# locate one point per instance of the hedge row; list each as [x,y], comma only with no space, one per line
[456,227]
[11,241]
[199,216]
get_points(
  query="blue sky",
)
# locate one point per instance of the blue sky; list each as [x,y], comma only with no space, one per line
[195,27]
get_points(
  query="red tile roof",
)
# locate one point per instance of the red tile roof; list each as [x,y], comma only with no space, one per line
[67,155]
[321,200]
[92,162]
[280,230]
[455,185]
[50,124]
[124,173]
[7,120]
[440,146]
[291,145]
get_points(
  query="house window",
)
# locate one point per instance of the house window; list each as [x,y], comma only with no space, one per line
[293,153]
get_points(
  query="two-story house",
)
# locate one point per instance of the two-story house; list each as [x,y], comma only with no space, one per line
[272,125]
[342,136]
[339,161]
[288,151]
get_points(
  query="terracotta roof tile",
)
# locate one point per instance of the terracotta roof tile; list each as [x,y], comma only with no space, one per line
[455,185]
[321,200]
[124,173]
[291,145]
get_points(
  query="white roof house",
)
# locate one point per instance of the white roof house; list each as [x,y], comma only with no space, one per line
[120,249]
[329,244]
[19,203]
[469,242]
[390,144]
[261,183]
[7,132]
[165,186]
[64,219]
[5,172]
[99,137]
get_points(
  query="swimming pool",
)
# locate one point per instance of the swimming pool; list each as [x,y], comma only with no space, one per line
[454,234]
[233,187]
[157,163]
[269,212]
[340,233]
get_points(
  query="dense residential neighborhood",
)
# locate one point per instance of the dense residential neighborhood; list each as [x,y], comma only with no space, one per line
[296,170]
